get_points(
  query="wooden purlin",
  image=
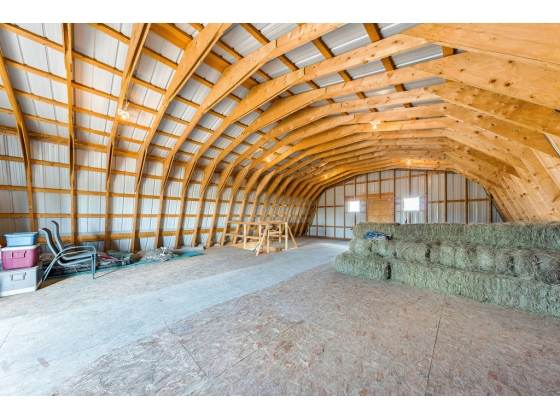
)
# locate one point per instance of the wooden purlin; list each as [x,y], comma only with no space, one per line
[375,35]
[23,136]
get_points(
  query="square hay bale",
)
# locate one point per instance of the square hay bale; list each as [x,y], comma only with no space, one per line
[486,258]
[413,251]
[520,293]
[362,228]
[504,261]
[434,252]
[550,238]
[548,267]
[431,232]
[447,254]
[385,248]
[480,233]
[360,246]
[524,262]
[371,267]
[465,257]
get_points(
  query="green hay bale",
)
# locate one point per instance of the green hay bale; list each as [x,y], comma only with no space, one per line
[465,257]
[447,254]
[520,293]
[384,248]
[486,258]
[413,251]
[479,234]
[548,267]
[550,238]
[504,261]
[362,247]
[431,232]
[371,267]
[362,228]
[524,262]
[434,252]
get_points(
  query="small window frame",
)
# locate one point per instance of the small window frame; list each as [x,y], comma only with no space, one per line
[353,206]
[411,204]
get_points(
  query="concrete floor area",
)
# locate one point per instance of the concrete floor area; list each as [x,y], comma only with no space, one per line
[230,323]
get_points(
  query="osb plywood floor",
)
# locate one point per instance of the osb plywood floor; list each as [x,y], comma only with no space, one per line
[229,323]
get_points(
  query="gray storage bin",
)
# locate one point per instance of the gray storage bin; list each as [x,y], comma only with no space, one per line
[22,280]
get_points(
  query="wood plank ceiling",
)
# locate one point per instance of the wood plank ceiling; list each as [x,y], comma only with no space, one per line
[284,116]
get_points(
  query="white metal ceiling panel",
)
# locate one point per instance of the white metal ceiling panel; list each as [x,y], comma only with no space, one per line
[185,27]
[123,28]
[305,55]
[224,54]
[180,110]
[368,69]
[389,29]
[208,73]
[163,47]
[9,146]
[272,31]
[417,55]
[194,91]
[8,120]
[275,68]
[240,40]
[329,79]
[225,106]
[346,38]
[381,91]
[300,88]
[210,121]
[423,83]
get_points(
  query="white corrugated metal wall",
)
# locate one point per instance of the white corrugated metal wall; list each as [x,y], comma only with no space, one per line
[334,221]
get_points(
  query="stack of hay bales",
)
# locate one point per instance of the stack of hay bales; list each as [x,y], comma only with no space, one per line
[511,264]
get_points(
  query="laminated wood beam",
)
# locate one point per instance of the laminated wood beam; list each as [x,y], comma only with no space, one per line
[503,107]
[67,32]
[22,135]
[529,42]
[529,82]
[494,129]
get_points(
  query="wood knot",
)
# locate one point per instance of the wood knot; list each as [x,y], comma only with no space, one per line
[493,80]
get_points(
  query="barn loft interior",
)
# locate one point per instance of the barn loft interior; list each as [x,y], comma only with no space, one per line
[280,208]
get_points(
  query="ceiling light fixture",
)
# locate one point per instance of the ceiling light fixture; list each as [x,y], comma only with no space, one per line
[374,124]
[408,163]
[123,113]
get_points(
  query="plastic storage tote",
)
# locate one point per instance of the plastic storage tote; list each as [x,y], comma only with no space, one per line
[21,239]
[13,282]
[20,257]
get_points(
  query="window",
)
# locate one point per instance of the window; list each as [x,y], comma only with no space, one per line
[353,206]
[411,204]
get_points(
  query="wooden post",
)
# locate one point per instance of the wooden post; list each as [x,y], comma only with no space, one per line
[409,192]
[445,196]
[489,208]
[466,200]
[286,233]
[394,193]
[426,196]
[244,235]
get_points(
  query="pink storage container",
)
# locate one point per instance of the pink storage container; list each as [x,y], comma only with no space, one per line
[20,256]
